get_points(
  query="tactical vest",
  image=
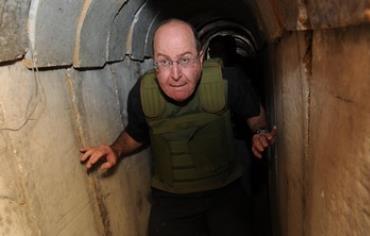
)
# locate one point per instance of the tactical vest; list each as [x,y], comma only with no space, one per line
[192,145]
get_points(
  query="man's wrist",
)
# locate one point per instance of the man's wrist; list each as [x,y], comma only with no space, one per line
[116,150]
[261,131]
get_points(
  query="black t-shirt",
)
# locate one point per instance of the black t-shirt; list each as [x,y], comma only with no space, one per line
[242,102]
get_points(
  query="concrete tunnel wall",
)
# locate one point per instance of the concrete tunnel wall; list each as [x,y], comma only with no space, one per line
[66,69]
[52,109]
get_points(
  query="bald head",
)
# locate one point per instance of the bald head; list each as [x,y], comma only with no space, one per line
[175,27]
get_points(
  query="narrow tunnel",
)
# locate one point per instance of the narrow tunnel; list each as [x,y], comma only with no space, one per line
[66,68]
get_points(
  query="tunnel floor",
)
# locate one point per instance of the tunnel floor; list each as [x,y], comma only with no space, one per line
[260,221]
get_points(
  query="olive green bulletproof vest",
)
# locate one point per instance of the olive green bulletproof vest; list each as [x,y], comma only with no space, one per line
[192,143]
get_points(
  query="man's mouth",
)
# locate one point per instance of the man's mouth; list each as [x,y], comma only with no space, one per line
[177,85]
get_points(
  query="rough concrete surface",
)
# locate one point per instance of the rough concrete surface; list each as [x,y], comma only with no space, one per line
[339,202]
[310,15]
[293,14]
[321,92]
[50,39]
[338,13]
[42,135]
[315,14]
[13,29]
[13,206]
[42,129]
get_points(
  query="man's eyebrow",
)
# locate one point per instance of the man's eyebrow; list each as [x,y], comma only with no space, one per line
[182,54]
[162,55]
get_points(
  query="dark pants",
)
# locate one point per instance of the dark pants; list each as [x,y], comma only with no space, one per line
[220,212]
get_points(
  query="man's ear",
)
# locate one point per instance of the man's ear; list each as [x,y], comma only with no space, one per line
[201,56]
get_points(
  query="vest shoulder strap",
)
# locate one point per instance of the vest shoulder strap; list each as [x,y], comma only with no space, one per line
[212,88]
[152,101]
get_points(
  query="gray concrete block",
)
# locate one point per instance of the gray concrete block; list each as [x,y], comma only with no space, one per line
[52,29]
[148,47]
[96,94]
[125,74]
[140,30]
[92,41]
[13,29]
[119,39]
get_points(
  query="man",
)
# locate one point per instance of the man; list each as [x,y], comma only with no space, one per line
[182,109]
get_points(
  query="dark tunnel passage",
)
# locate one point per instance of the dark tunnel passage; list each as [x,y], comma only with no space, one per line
[236,50]
[66,70]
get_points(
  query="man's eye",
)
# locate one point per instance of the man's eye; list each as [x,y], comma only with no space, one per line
[184,61]
[164,62]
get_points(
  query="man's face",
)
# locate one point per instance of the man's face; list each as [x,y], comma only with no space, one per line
[179,64]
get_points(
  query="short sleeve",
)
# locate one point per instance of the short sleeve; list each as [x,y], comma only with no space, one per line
[137,127]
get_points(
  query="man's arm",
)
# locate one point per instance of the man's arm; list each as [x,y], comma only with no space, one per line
[123,146]
[258,122]
[262,138]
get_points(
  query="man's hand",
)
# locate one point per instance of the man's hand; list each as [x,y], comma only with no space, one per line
[91,155]
[261,141]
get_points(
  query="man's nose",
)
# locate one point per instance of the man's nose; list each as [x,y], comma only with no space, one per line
[176,71]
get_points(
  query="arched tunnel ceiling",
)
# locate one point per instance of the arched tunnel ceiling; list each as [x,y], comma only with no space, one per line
[119,33]
[91,33]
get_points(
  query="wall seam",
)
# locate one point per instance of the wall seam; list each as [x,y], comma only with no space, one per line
[307,61]
[94,189]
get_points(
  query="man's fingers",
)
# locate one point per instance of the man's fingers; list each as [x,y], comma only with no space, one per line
[106,165]
[95,157]
[272,135]
[260,142]
[84,149]
[92,156]
[256,153]
[258,145]
[263,140]
[86,155]
[273,132]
